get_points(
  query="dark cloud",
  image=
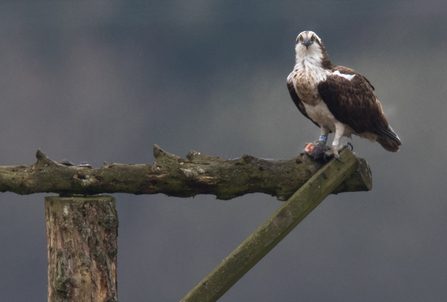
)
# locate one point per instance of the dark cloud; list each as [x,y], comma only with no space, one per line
[105,81]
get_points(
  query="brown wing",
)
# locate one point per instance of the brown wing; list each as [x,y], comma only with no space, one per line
[354,103]
[297,100]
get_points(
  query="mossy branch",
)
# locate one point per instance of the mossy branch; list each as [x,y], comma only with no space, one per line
[176,176]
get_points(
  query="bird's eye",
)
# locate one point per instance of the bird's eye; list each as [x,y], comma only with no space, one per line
[313,38]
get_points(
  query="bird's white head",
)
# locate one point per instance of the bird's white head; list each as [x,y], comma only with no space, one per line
[309,45]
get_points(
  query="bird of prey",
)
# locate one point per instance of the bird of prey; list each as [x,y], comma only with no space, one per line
[337,99]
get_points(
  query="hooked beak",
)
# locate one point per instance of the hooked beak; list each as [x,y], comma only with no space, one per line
[307,43]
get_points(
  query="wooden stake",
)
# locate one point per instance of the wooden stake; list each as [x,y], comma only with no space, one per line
[269,234]
[82,247]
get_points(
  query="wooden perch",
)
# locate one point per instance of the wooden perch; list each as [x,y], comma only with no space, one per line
[273,230]
[176,176]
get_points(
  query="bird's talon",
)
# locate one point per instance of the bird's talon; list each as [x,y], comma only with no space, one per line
[352,147]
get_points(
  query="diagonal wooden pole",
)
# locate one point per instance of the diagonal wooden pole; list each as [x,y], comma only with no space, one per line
[272,231]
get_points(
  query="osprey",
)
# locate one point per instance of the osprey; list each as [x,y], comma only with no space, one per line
[337,99]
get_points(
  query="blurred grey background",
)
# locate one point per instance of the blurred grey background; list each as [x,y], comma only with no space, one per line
[105,80]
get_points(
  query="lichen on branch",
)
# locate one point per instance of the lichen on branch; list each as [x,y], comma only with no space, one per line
[176,176]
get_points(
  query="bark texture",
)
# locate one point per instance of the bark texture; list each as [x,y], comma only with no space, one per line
[176,176]
[82,248]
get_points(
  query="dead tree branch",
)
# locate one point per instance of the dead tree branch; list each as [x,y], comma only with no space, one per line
[176,176]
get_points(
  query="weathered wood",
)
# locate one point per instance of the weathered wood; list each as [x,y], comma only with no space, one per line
[175,176]
[272,231]
[82,248]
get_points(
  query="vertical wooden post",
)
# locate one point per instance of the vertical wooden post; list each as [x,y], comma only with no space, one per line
[82,248]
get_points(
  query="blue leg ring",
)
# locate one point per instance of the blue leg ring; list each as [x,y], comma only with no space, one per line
[323,139]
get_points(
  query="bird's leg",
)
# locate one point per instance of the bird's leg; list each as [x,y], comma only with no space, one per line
[335,148]
[323,135]
[318,148]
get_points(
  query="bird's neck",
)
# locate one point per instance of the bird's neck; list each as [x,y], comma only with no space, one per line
[310,71]
[312,58]
[308,64]
[307,61]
